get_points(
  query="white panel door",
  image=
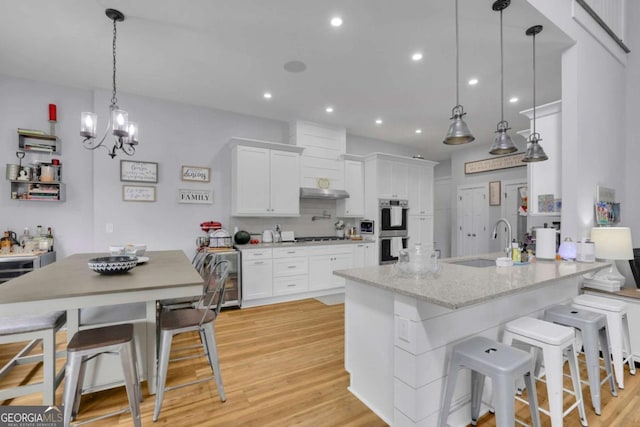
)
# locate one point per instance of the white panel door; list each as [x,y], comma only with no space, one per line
[384,171]
[319,272]
[399,180]
[285,183]
[257,279]
[340,262]
[420,190]
[473,217]
[252,185]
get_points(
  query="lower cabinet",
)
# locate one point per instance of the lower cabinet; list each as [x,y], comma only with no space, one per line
[364,255]
[257,274]
[420,229]
[278,274]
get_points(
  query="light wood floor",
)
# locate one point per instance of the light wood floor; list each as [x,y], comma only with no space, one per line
[283,365]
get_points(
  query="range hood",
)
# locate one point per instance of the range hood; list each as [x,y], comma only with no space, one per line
[321,193]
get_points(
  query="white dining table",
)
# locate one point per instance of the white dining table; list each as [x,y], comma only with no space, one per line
[70,285]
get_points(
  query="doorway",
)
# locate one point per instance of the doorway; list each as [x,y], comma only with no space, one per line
[473,218]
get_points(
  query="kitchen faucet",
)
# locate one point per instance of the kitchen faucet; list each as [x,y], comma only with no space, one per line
[277,237]
[508,248]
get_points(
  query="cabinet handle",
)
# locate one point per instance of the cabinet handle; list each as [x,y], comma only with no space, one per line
[474,234]
[291,285]
[291,266]
[258,262]
[468,234]
[291,252]
[257,254]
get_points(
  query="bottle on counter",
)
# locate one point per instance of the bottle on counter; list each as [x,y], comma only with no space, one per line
[26,236]
[49,237]
[515,251]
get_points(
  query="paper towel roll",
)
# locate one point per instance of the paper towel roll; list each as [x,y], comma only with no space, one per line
[546,243]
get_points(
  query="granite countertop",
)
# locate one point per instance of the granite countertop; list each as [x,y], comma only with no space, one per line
[459,286]
[300,244]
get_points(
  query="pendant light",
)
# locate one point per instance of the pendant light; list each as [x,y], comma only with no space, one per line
[459,132]
[124,131]
[534,153]
[503,143]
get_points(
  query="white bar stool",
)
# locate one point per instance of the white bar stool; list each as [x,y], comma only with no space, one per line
[504,365]
[554,341]
[618,325]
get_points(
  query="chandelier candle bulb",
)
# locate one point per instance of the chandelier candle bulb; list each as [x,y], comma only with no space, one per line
[53,113]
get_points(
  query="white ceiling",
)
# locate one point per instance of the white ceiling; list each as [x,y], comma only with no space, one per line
[226,53]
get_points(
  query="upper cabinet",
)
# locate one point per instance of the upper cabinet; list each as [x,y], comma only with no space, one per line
[545,177]
[265,178]
[322,157]
[392,180]
[353,206]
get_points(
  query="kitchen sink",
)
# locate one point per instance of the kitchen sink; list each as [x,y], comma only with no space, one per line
[479,262]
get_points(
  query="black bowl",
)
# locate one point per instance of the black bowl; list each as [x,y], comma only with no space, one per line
[113,264]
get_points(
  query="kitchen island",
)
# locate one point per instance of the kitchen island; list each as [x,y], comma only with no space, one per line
[399,329]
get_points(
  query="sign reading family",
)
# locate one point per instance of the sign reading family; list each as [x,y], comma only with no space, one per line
[196,173]
[189,195]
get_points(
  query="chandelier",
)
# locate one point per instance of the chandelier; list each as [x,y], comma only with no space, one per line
[124,131]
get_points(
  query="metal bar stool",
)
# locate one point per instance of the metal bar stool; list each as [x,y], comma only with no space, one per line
[40,328]
[554,341]
[89,343]
[199,319]
[504,365]
[618,326]
[593,327]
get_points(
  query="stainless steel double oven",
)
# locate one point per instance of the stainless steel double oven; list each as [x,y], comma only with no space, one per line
[393,232]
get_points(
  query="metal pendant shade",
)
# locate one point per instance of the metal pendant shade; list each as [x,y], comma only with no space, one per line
[534,153]
[503,143]
[458,132]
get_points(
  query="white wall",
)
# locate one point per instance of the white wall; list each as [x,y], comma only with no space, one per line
[172,135]
[631,208]
[594,78]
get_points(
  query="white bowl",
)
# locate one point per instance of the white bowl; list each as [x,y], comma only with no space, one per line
[504,262]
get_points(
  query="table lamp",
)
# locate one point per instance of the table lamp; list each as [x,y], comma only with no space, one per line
[612,243]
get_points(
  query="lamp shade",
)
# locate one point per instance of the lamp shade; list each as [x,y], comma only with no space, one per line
[503,143]
[612,243]
[458,133]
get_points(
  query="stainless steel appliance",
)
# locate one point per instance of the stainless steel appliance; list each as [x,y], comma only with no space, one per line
[14,266]
[386,247]
[366,226]
[232,288]
[393,217]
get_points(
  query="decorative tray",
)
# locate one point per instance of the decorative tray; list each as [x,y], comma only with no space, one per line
[113,264]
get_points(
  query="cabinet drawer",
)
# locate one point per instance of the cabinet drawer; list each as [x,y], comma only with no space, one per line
[290,285]
[290,266]
[257,254]
[289,252]
[331,249]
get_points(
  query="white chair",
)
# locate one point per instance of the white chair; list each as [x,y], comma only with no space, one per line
[618,326]
[198,319]
[41,328]
[554,341]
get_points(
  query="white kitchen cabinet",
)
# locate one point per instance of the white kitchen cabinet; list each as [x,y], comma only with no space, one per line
[546,177]
[420,189]
[257,278]
[265,179]
[392,180]
[364,255]
[420,229]
[323,261]
[353,206]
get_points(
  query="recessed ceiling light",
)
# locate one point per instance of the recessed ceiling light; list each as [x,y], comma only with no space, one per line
[295,66]
[417,56]
[378,121]
[336,21]
[267,95]
[329,109]
[513,99]
[473,81]
[418,130]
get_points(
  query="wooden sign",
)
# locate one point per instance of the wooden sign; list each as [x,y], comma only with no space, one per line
[196,173]
[188,195]
[494,163]
[138,171]
[138,193]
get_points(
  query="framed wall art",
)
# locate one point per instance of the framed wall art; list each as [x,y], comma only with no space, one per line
[196,173]
[138,193]
[494,193]
[132,171]
[189,195]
